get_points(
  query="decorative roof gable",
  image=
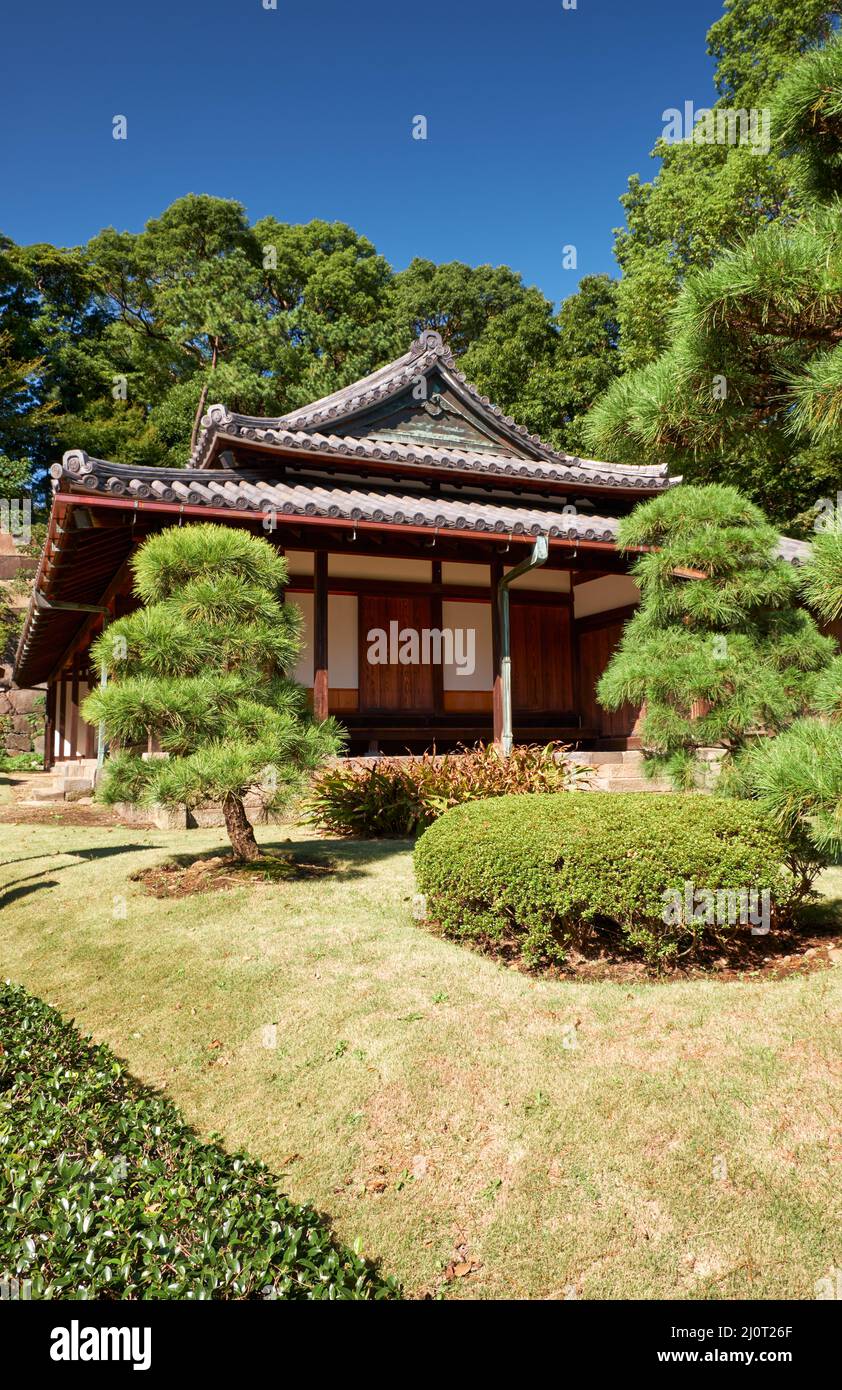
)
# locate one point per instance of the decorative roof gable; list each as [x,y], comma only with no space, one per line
[419,409]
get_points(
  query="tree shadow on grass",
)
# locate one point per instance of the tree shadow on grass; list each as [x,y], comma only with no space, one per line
[24,889]
[31,883]
[822,918]
[348,858]
[356,853]
[280,862]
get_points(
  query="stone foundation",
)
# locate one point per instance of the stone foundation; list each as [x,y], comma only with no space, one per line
[20,734]
[623,771]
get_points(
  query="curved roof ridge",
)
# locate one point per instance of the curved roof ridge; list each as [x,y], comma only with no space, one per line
[320,419]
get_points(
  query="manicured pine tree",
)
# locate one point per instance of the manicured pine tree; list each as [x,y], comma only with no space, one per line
[798,775]
[719,649]
[203,668]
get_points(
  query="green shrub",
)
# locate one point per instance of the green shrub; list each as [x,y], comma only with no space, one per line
[108,1194]
[531,876]
[397,797]
[20,762]
[797,780]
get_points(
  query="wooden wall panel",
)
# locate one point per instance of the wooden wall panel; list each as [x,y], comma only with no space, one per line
[342,700]
[386,688]
[542,658]
[467,701]
[596,646]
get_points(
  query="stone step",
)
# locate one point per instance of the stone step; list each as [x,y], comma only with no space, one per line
[74,767]
[62,788]
[596,759]
[78,788]
[48,793]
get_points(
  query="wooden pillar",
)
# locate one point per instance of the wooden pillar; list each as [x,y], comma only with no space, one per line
[74,708]
[437,611]
[50,726]
[320,653]
[496,650]
[61,719]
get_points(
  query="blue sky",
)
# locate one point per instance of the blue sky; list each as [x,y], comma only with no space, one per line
[536,117]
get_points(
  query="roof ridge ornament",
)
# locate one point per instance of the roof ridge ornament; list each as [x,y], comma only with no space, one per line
[75,461]
[429,340]
[216,415]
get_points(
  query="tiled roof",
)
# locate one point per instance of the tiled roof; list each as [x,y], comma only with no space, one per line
[329,500]
[565,470]
[318,428]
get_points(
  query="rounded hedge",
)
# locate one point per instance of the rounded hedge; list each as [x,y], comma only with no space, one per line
[533,875]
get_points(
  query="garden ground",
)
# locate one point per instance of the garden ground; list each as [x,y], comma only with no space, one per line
[485,1133]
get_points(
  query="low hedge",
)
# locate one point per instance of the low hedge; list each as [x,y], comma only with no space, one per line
[533,875]
[110,1195]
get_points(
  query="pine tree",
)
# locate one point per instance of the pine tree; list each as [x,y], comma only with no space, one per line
[202,668]
[797,776]
[719,649]
[752,377]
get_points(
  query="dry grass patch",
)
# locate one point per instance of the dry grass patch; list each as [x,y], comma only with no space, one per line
[484,1132]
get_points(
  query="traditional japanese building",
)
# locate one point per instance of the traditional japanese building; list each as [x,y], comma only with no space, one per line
[400,503]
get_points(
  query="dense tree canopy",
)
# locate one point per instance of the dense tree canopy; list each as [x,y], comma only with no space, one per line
[705,197]
[116,347]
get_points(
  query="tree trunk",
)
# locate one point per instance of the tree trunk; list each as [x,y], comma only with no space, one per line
[239,829]
[197,418]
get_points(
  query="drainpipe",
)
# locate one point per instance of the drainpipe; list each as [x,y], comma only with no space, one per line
[540,551]
[42,602]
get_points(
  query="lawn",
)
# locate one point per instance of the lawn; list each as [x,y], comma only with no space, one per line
[484,1133]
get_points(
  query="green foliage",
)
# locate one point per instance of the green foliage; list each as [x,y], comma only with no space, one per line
[14,477]
[808,119]
[399,797]
[797,780]
[741,373]
[203,668]
[532,876]
[797,777]
[116,347]
[706,198]
[755,40]
[718,649]
[822,574]
[189,554]
[548,371]
[18,762]
[827,693]
[11,623]
[110,1195]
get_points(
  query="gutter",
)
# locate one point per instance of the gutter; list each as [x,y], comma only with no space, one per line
[540,551]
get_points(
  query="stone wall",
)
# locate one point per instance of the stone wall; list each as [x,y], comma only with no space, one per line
[21,711]
[21,718]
